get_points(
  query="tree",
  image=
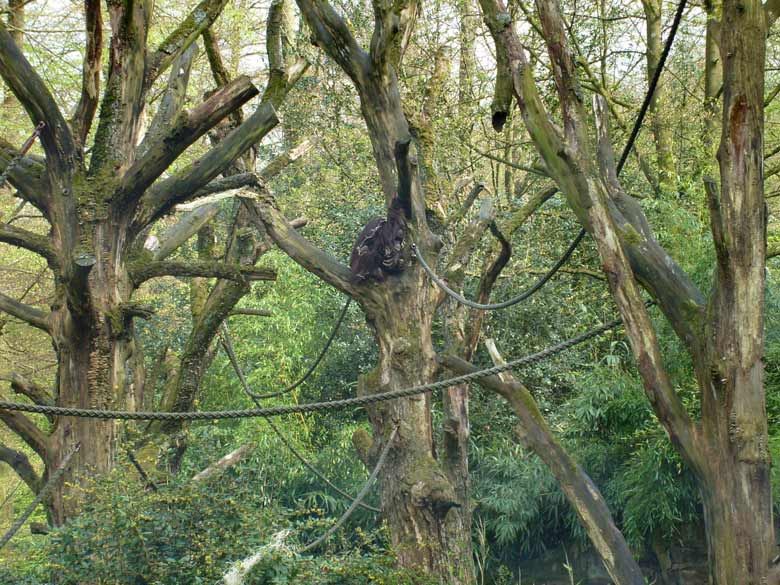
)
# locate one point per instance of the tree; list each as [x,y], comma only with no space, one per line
[727,448]
[427,512]
[100,208]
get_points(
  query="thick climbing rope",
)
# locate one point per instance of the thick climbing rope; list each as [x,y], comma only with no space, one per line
[227,343]
[42,493]
[651,89]
[357,401]
[314,364]
[22,151]
[359,498]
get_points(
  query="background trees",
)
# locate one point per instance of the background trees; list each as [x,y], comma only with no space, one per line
[445,82]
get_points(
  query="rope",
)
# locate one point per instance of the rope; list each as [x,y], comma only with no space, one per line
[653,86]
[227,343]
[314,365]
[362,494]
[358,401]
[22,151]
[39,497]
[651,89]
[508,303]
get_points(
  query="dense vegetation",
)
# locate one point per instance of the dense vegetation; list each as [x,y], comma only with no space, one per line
[169,528]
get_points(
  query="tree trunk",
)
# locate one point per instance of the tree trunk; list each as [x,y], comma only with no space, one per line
[736,487]
[713,74]
[740,537]
[93,336]
[427,524]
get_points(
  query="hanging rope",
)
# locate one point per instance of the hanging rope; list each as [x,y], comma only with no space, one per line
[44,491]
[653,86]
[22,151]
[227,343]
[651,89]
[508,303]
[357,401]
[362,494]
[314,365]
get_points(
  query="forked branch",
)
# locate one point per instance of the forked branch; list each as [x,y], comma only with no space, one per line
[187,128]
[162,196]
[316,261]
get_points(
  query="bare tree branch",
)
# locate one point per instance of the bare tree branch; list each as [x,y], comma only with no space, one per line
[519,217]
[28,176]
[33,94]
[26,313]
[144,271]
[187,226]
[162,196]
[200,19]
[186,130]
[299,248]
[393,26]
[218,69]
[27,430]
[226,462]
[172,100]
[281,162]
[200,215]
[334,37]
[20,463]
[29,241]
[460,257]
[28,388]
[90,78]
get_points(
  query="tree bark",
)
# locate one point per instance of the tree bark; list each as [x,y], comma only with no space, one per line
[736,489]
[427,523]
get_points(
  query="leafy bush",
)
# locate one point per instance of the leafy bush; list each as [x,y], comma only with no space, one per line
[349,569]
[181,534]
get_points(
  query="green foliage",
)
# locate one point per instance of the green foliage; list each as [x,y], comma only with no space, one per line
[350,569]
[185,534]
[194,533]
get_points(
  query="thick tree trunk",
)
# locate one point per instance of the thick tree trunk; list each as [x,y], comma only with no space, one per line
[738,521]
[427,524]
[93,337]
[736,488]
